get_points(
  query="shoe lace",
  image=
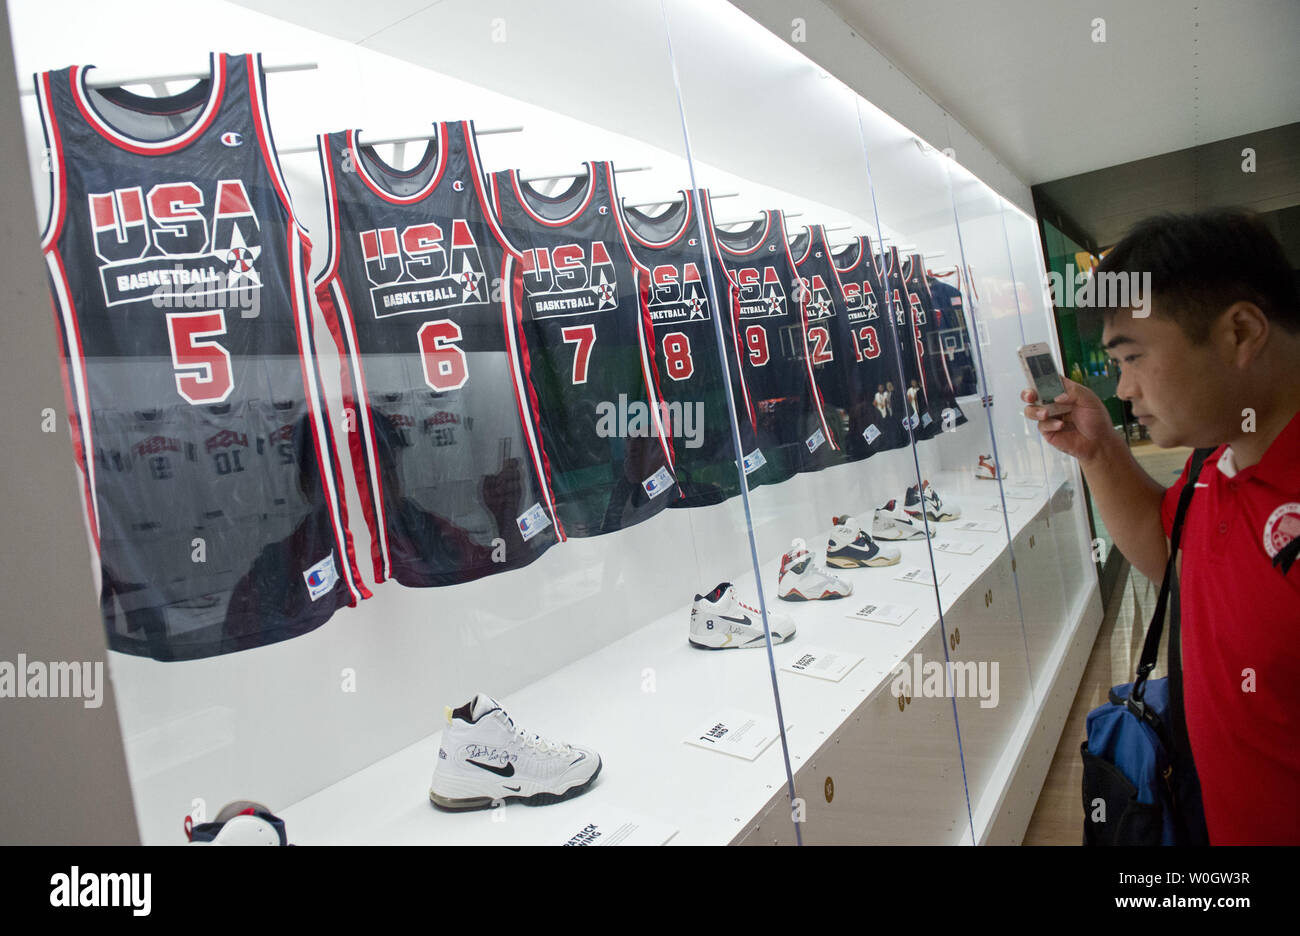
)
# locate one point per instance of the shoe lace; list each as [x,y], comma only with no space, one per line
[540,744]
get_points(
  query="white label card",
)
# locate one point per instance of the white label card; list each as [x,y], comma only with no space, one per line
[822,664]
[736,732]
[532,521]
[960,549]
[883,613]
[1011,508]
[979,526]
[871,434]
[754,461]
[1020,494]
[658,482]
[608,825]
[814,441]
[921,577]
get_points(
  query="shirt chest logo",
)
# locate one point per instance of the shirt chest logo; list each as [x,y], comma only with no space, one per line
[1281,527]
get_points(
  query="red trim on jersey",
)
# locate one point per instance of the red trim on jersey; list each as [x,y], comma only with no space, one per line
[649,367]
[332,232]
[807,250]
[262,124]
[733,302]
[858,239]
[481,180]
[686,223]
[218,70]
[79,421]
[803,330]
[58,184]
[568,219]
[439,140]
[329,468]
[362,451]
[516,294]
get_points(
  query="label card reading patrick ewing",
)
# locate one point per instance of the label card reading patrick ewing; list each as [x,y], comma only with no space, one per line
[921,577]
[883,613]
[822,663]
[736,732]
[609,825]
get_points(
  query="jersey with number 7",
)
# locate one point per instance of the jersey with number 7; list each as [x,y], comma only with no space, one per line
[579,307]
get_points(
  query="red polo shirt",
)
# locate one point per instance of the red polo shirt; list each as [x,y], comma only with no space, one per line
[1241,641]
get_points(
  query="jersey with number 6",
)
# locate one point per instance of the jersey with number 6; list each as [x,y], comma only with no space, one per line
[179,276]
[446,460]
[578,303]
[684,312]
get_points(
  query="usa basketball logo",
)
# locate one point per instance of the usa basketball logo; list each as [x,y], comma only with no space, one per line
[1282,526]
[458,185]
[231,138]
[239,259]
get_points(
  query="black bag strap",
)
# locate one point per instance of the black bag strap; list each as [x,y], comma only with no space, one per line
[1151,647]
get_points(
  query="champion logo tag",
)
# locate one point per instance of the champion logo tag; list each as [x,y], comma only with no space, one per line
[814,441]
[231,138]
[658,482]
[771,246]
[532,521]
[1281,527]
[871,434]
[926,419]
[458,185]
[693,241]
[603,209]
[321,577]
[754,461]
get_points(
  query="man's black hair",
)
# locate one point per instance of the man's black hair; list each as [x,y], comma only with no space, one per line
[1202,263]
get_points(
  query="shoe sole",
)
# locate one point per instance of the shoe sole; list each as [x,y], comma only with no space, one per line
[537,799]
[943,519]
[795,595]
[841,563]
[776,639]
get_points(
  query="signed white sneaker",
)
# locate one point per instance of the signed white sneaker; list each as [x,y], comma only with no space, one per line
[721,621]
[851,547]
[891,522]
[484,759]
[803,580]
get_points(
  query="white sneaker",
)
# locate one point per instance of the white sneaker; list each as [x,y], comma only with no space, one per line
[851,547]
[987,470]
[934,506]
[891,522]
[484,759]
[720,621]
[803,580]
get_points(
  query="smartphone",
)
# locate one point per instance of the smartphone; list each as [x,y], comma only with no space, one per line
[1040,369]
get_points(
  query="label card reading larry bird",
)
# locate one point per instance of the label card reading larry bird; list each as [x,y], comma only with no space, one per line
[736,732]
[822,663]
[883,613]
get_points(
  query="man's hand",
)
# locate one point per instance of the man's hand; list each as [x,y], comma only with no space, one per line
[1081,430]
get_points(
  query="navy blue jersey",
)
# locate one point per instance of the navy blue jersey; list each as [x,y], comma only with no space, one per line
[934,362]
[179,276]
[909,317]
[873,338]
[683,312]
[579,305]
[954,338]
[769,309]
[446,460]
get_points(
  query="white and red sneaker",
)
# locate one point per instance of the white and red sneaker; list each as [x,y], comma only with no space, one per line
[803,580]
[987,469]
[721,621]
[926,499]
[891,522]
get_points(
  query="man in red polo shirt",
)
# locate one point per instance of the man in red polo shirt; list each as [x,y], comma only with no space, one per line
[1212,360]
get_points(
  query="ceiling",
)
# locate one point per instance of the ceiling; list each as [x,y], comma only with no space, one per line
[1026,78]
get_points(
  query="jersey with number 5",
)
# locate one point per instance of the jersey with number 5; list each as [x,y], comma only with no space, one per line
[579,307]
[446,458]
[179,275]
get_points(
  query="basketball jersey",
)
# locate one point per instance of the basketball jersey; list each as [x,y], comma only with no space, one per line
[934,362]
[908,317]
[448,465]
[769,307]
[955,337]
[178,272]
[872,335]
[693,383]
[578,303]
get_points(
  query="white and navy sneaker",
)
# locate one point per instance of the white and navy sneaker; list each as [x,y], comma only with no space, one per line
[484,759]
[803,580]
[987,470]
[891,522]
[851,547]
[934,507]
[721,621]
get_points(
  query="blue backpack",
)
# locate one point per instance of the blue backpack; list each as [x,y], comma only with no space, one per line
[1139,781]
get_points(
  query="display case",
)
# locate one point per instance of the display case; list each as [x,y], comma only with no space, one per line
[657,390]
